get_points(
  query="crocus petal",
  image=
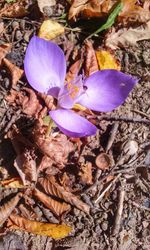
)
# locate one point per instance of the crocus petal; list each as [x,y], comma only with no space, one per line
[72,124]
[44,65]
[106,90]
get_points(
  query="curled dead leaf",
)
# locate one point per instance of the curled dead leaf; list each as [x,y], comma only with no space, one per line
[56,148]
[16,72]
[73,70]
[88,8]
[7,208]
[128,37]
[4,49]
[18,141]
[48,100]
[15,9]
[27,212]
[91,64]
[67,182]
[55,231]
[26,166]
[12,183]
[51,187]
[46,162]
[31,104]
[104,161]
[86,174]
[132,12]
[28,100]
[58,208]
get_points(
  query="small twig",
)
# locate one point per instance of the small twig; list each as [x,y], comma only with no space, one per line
[12,121]
[108,187]
[117,223]
[124,171]
[141,113]
[140,206]
[19,19]
[112,136]
[125,119]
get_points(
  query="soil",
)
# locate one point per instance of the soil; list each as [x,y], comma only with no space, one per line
[120,218]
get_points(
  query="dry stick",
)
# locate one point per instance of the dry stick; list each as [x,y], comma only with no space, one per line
[119,212]
[108,187]
[124,119]
[12,121]
[141,113]
[112,136]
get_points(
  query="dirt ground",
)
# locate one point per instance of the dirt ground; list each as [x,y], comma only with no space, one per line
[119,216]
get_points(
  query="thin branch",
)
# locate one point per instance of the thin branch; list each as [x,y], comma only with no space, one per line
[112,136]
[123,118]
[108,187]
[119,212]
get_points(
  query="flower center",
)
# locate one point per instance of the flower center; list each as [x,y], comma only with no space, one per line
[72,90]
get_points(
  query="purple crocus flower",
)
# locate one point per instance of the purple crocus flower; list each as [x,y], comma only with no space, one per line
[45,69]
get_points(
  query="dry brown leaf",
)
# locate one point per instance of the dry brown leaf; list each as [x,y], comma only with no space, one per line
[91,64]
[57,148]
[73,71]
[51,187]
[67,182]
[4,49]
[133,13]
[12,183]
[16,72]
[26,166]
[27,213]
[29,103]
[55,231]
[46,162]
[18,141]
[7,208]
[86,174]
[128,37]
[104,161]
[48,100]
[44,4]
[50,29]
[16,9]
[58,208]
[2,27]
[89,8]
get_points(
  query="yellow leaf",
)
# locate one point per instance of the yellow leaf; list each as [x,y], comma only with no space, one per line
[12,183]
[79,107]
[50,29]
[106,60]
[55,231]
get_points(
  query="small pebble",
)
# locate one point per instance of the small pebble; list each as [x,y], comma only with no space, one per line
[105,216]
[22,24]
[104,226]
[15,25]
[146,57]
[130,147]
[6,83]
[18,35]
